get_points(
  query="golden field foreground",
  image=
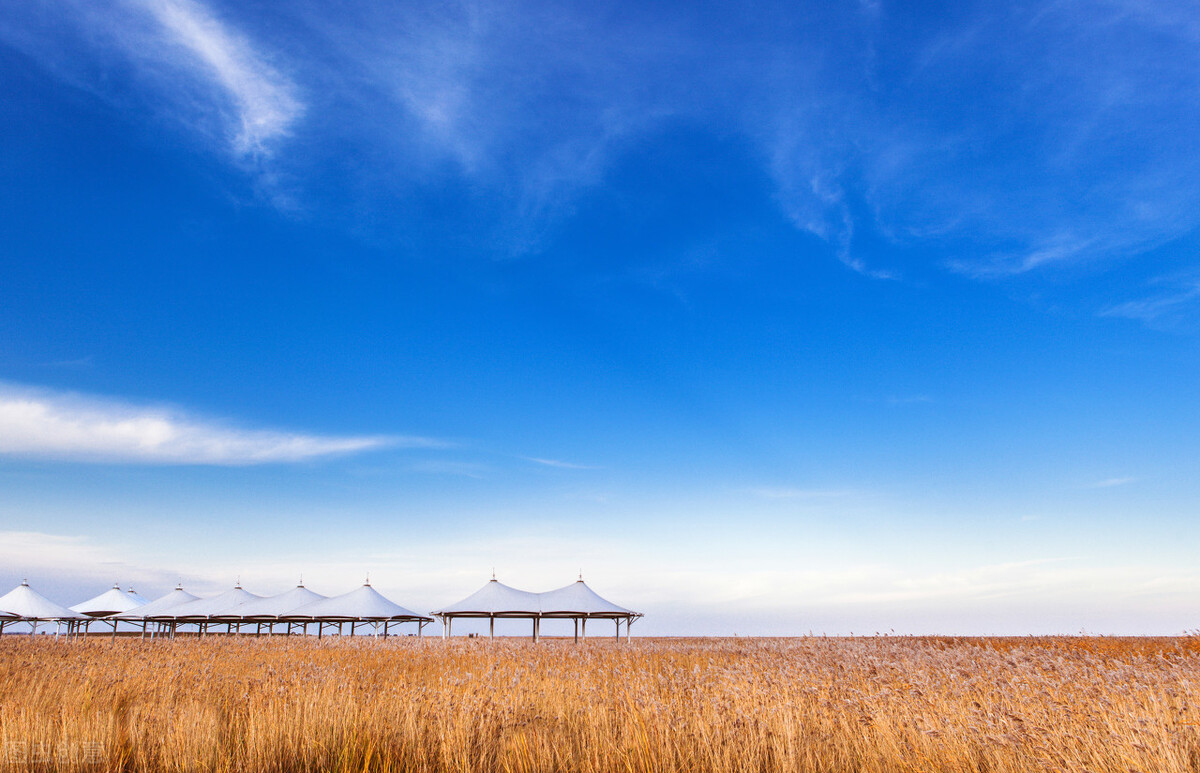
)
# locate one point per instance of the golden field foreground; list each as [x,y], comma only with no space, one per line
[808,704]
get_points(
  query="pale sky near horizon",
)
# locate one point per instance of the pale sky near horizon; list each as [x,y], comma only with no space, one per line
[769,319]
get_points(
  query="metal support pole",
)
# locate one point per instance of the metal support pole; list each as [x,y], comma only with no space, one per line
[584,628]
[491,626]
[617,620]
[576,620]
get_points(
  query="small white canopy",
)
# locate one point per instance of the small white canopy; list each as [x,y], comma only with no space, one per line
[273,607]
[499,600]
[365,604]
[496,599]
[161,605]
[26,603]
[220,606]
[578,600]
[139,598]
[111,602]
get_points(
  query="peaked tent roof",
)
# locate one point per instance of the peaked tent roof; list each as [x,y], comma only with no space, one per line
[222,605]
[110,602]
[139,598]
[162,604]
[496,598]
[26,603]
[277,606]
[577,598]
[363,603]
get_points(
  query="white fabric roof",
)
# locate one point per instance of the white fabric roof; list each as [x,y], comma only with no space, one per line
[496,598]
[110,602]
[223,605]
[161,604]
[364,603]
[276,606]
[23,601]
[578,598]
[139,598]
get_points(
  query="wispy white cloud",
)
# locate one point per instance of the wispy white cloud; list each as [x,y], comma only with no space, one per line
[558,463]
[41,424]
[1165,306]
[178,59]
[265,101]
[1111,482]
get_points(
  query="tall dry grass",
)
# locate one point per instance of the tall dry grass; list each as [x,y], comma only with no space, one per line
[827,705]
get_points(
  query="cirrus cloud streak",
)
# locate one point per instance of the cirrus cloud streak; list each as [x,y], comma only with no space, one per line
[46,425]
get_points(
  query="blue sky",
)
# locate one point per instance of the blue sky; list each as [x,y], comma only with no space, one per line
[831,317]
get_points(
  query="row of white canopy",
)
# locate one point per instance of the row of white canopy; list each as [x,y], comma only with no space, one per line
[495,599]
[301,605]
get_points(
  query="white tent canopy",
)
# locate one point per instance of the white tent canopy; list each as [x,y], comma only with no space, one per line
[495,599]
[576,601]
[139,598]
[275,607]
[111,602]
[26,603]
[361,604]
[161,605]
[219,606]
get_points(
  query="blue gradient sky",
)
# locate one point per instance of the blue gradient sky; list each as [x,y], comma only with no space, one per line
[831,317]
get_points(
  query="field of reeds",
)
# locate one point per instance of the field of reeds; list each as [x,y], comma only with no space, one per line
[808,704]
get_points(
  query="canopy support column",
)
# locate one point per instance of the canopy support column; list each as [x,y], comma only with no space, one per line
[584,634]
[491,626]
[576,630]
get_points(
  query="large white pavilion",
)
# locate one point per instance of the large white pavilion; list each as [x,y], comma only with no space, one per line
[361,605]
[575,602]
[24,604]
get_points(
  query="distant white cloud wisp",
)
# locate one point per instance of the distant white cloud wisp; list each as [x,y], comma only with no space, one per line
[265,99]
[47,425]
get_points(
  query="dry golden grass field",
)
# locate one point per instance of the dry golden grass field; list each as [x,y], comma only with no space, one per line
[809,704]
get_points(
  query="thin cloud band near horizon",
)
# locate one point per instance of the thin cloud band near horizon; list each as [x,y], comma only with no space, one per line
[42,424]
